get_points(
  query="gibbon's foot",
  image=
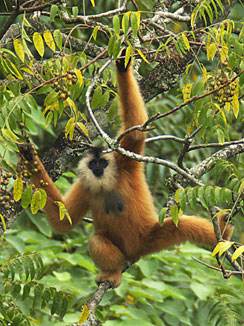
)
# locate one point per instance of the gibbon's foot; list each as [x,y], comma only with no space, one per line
[27,150]
[120,62]
[113,277]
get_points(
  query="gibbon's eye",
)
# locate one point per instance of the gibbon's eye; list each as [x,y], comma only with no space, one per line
[97,166]
[104,163]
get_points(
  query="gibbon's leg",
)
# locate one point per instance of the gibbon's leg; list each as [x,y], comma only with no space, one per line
[132,107]
[76,200]
[192,228]
[108,258]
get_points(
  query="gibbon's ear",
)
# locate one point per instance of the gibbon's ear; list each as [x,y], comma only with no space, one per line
[120,62]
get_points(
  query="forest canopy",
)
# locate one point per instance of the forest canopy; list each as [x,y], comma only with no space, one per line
[58,91]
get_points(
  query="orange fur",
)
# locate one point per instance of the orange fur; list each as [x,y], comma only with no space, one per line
[135,231]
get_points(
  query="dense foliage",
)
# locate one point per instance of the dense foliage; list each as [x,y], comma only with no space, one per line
[189,60]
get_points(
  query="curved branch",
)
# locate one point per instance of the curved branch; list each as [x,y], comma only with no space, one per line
[224,154]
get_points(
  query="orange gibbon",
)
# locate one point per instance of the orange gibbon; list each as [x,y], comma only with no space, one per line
[114,188]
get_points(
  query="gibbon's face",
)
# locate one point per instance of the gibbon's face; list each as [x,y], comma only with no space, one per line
[97,165]
[98,171]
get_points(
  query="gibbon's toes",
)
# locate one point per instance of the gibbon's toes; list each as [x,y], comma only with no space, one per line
[114,278]
[120,62]
[27,151]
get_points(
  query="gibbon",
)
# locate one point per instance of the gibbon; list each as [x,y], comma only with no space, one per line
[114,188]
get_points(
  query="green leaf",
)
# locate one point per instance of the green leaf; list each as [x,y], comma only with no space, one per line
[43,198]
[211,51]
[228,196]
[111,44]
[239,251]
[82,127]
[3,222]
[93,3]
[26,291]
[84,314]
[75,12]
[18,47]
[58,39]
[128,55]
[192,194]
[142,56]
[39,44]
[116,48]
[9,135]
[222,247]
[180,198]
[26,197]
[15,290]
[63,307]
[56,302]
[79,76]
[48,37]
[113,109]
[135,23]
[219,195]
[94,32]
[49,118]
[70,128]
[11,68]
[53,12]
[175,214]
[209,195]
[38,290]
[202,197]
[36,202]
[116,24]
[96,98]
[104,99]
[125,22]
[185,39]
[28,266]
[162,215]
[18,188]
[63,211]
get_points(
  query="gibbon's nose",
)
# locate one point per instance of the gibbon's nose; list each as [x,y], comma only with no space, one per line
[98,170]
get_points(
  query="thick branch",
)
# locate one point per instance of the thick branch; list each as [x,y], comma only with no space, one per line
[224,154]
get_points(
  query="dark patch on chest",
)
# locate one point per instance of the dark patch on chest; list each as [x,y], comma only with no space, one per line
[113,202]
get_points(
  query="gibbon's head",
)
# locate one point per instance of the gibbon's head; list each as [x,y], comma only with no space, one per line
[98,170]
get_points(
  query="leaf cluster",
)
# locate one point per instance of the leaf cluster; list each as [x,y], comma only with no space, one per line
[19,282]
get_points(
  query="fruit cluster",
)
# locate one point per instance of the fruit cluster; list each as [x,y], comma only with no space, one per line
[62,89]
[6,198]
[226,93]
[28,165]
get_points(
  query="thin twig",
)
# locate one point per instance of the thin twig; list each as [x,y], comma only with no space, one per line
[192,99]
[228,272]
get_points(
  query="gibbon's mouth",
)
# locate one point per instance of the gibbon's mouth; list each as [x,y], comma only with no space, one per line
[98,173]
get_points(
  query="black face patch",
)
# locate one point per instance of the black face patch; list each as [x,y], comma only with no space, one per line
[97,165]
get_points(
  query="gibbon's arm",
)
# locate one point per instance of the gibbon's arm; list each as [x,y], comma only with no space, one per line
[132,107]
[76,200]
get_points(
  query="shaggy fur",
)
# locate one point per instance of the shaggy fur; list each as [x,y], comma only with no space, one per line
[125,221]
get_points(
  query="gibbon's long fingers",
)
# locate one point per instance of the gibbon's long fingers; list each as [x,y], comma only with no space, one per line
[132,110]
[192,228]
[75,201]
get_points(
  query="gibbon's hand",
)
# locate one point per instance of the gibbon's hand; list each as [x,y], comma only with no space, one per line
[120,62]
